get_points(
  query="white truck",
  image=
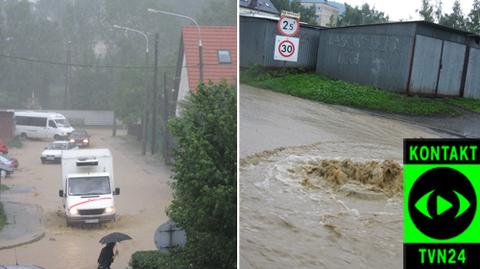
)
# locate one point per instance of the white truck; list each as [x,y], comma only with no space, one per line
[88,187]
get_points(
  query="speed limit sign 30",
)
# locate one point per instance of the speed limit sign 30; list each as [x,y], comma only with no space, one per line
[286,48]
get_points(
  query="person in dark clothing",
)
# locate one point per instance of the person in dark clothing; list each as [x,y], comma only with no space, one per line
[106,256]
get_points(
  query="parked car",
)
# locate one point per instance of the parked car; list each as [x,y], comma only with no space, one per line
[14,161]
[80,138]
[3,147]
[53,152]
[7,164]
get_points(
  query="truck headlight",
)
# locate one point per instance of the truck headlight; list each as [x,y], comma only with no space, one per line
[110,210]
[85,140]
[73,211]
[72,140]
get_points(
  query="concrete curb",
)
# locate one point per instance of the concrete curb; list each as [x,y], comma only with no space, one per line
[24,224]
[21,241]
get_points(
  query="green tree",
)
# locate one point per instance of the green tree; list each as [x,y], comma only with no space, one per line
[204,185]
[307,14]
[358,16]
[438,11]
[426,11]
[127,98]
[473,24]
[219,12]
[455,19]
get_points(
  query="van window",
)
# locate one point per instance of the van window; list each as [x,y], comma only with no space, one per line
[31,121]
[88,186]
[62,123]
[52,124]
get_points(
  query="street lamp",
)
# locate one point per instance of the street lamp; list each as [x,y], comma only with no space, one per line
[145,106]
[200,48]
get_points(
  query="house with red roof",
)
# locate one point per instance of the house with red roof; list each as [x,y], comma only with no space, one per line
[219,45]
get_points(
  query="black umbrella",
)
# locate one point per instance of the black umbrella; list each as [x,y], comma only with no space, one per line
[114,237]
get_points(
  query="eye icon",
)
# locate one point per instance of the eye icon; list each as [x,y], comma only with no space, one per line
[442,204]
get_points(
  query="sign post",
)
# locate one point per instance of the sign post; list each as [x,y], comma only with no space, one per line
[286,44]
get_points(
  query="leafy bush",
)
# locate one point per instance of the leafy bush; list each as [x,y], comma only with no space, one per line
[204,183]
[15,143]
[3,217]
[156,260]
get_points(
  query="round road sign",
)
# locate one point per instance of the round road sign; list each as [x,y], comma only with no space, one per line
[286,48]
[288,26]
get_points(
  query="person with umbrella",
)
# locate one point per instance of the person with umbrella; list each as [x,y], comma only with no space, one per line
[107,254]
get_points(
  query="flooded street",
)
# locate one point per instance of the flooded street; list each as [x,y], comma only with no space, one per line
[141,206]
[311,197]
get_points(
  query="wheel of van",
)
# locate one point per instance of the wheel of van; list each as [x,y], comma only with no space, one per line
[56,137]
[23,135]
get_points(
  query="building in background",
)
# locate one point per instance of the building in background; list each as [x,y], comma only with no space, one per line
[261,8]
[219,57]
[7,125]
[324,10]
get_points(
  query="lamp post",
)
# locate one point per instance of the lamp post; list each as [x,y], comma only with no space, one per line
[145,106]
[200,47]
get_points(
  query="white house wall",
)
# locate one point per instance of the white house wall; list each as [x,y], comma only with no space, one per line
[183,89]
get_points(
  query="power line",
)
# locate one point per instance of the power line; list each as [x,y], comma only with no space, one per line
[32,60]
[74,64]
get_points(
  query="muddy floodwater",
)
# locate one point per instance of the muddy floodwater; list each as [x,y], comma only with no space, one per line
[320,185]
[145,194]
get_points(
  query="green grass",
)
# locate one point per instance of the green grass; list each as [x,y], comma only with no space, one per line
[3,217]
[4,187]
[319,88]
[467,103]
[15,143]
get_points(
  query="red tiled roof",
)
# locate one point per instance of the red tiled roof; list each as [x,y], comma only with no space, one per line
[214,38]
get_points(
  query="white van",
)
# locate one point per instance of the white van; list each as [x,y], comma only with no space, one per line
[41,125]
[88,186]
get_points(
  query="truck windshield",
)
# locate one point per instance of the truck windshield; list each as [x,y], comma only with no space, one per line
[62,123]
[88,186]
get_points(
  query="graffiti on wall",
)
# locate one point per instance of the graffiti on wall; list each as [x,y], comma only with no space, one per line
[351,46]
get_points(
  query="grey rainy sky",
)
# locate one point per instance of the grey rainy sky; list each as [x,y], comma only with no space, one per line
[406,9]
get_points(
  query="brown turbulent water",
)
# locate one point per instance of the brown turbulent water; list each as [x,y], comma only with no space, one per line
[320,186]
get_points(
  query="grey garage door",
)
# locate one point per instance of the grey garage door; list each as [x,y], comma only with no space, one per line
[450,79]
[426,63]
[437,67]
[472,82]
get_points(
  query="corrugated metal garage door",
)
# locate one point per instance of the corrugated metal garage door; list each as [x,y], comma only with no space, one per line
[472,82]
[426,63]
[450,79]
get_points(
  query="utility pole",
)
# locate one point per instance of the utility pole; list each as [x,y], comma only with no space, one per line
[145,108]
[166,111]
[67,76]
[154,98]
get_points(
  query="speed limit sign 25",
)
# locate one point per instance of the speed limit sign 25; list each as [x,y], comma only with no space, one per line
[288,26]
[286,48]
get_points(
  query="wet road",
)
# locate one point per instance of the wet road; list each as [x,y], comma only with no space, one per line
[141,206]
[285,224]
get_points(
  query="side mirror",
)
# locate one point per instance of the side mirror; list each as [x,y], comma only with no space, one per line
[60,193]
[117,191]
